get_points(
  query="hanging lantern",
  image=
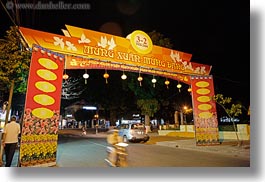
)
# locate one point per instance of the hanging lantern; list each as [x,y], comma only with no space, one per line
[106,76]
[123,76]
[154,81]
[189,89]
[167,83]
[179,86]
[85,76]
[65,76]
[140,79]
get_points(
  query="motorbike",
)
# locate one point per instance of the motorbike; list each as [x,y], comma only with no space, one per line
[117,155]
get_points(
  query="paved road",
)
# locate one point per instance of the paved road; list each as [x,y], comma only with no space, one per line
[90,151]
[161,156]
[81,152]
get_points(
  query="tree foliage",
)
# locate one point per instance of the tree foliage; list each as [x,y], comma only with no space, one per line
[148,106]
[159,39]
[71,88]
[14,61]
[231,109]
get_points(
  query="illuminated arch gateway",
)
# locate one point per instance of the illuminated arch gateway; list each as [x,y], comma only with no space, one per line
[86,49]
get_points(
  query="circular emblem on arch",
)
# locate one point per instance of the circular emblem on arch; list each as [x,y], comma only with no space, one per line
[45,86]
[46,74]
[205,115]
[44,99]
[141,42]
[203,91]
[202,84]
[204,107]
[48,63]
[42,113]
[204,99]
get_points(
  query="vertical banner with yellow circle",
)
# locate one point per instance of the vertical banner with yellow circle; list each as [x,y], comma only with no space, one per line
[204,110]
[42,109]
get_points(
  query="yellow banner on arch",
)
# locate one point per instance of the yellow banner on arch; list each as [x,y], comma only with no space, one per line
[137,49]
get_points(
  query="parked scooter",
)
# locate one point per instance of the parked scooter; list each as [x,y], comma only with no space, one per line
[117,151]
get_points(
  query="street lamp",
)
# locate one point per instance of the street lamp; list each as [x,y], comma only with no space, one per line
[184,114]
[96,116]
[187,110]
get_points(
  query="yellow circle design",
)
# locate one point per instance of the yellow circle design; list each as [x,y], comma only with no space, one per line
[48,64]
[42,113]
[44,99]
[45,86]
[204,107]
[141,42]
[202,84]
[46,74]
[205,115]
[203,99]
[203,91]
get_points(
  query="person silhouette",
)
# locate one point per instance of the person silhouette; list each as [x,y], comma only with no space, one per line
[10,140]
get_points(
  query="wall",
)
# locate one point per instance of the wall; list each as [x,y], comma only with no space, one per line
[188,131]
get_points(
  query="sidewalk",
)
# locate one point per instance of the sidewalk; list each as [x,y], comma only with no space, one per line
[227,147]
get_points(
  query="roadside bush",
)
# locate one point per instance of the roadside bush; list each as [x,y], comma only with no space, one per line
[226,128]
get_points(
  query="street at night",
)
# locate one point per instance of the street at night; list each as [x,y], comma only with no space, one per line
[90,151]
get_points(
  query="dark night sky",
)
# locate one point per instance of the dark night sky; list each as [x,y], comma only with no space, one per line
[216,33]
